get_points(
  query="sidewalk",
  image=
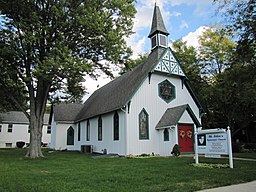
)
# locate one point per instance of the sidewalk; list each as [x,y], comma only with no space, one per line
[244,187]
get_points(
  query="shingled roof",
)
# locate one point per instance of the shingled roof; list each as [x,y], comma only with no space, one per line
[66,112]
[173,115]
[118,92]
[157,23]
[18,117]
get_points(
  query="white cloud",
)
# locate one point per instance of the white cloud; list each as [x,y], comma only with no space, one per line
[192,38]
[137,44]
[175,14]
[183,25]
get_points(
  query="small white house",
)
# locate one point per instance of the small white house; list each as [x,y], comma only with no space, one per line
[145,111]
[14,126]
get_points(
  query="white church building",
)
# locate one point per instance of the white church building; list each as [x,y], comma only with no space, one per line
[145,111]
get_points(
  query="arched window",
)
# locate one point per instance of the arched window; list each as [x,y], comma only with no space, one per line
[79,132]
[116,126]
[166,134]
[70,136]
[99,128]
[88,130]
[143,125]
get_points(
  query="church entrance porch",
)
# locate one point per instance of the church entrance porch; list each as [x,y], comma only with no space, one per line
[185,135]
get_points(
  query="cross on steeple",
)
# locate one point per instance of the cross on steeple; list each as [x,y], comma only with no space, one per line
[158,33]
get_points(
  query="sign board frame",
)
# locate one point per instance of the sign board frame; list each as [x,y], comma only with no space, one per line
[213,142]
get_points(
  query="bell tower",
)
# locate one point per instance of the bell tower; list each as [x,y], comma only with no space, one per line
[158,33]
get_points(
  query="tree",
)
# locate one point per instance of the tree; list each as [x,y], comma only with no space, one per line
[234,96]
[45,45]
[239,19]
[215,51]
[188,58]
[132,63]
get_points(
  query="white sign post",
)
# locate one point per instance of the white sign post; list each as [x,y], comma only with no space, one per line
[213,143]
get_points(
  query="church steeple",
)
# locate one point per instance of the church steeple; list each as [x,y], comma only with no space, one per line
[158,33]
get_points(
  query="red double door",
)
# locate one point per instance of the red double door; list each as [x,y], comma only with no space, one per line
[185,135]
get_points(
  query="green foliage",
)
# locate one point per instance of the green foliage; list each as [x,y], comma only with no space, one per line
[175,150]
[215,51]
[132,63]
[188,58]
[239,18]
[57,42]
[47,46]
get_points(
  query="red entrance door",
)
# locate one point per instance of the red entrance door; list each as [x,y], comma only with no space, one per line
[185,134]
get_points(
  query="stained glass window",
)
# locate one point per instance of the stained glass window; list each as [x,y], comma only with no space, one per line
[88,130]
[70,136]
[166,91]
[116,126]
[99,128]
[143,125]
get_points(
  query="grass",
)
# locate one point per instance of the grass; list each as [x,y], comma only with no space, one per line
[72,171]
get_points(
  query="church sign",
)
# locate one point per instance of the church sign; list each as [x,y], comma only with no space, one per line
[213,143]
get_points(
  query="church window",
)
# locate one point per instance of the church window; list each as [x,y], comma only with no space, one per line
[163,40]
[154,41]
[116,126]
[88,130]
[166,134]
[166,91]
[143,125]
[99,128]
[70,136]
[79,132]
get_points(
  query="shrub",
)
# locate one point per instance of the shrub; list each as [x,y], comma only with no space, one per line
[20,144]
[175,150]
[236,147]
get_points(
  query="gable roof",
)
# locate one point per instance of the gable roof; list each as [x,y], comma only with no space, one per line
[18,117]
[65,112]
[118,92]
[157,23]
[173,115]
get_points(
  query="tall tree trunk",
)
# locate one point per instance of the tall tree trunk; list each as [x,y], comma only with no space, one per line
[37,110]
[36,126]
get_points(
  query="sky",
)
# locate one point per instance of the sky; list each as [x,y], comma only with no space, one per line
[184,19]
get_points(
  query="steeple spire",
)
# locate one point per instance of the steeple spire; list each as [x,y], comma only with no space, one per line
[158,33]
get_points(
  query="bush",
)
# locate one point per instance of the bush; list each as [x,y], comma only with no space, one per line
[175,150]
[20,144]
[250,146]
[236,147]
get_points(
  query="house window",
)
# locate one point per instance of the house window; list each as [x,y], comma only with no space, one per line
[8,145]
[116,126]
[99,128]
[166,134]
[166,91]
[49,129]
[143,125]
[70,136]
[88,131]
[10,126]
[79,132]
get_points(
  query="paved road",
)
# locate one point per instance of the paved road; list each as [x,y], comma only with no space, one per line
[244,187]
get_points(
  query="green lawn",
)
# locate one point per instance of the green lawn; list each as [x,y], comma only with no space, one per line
[71,171]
